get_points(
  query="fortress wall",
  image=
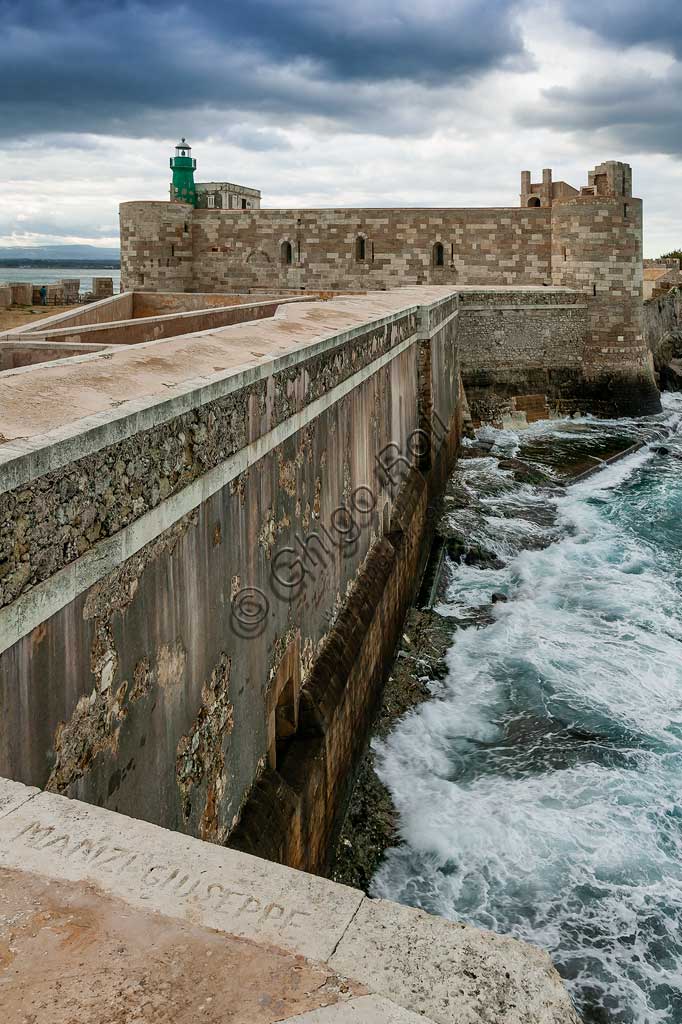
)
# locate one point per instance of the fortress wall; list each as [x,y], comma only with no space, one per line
[156,247]
[495,246]
[141,670]
[238,250]
[519,343]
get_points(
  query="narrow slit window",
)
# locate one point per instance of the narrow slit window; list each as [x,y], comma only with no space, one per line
[360,248]
[626,210]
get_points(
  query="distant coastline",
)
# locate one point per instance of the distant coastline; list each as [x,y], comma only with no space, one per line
[85,264]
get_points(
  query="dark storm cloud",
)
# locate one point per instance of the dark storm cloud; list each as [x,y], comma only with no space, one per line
[129,67]
[656,23]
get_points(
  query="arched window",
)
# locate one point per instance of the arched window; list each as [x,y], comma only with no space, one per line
[286,253]
[438,255]
[360,248]
[533,201]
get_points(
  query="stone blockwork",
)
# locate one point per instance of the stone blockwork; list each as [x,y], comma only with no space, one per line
[587,240]
[597,250]
[517,342]
[172,571]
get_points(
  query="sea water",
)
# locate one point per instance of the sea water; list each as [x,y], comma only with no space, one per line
[540,789]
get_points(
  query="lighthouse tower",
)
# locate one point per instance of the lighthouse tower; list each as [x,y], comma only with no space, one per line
[183,167]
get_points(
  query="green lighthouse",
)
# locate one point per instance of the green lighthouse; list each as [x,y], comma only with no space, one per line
[183,167]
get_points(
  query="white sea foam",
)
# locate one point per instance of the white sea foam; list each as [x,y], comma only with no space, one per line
[539,791]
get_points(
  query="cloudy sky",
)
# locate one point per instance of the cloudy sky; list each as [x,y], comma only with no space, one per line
[323,102]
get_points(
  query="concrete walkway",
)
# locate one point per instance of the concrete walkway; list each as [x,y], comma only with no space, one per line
[109,920]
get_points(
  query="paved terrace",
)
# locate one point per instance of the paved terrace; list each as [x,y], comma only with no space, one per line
[53,397]
[108,919]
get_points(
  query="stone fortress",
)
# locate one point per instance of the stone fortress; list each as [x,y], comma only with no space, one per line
[563,272]
[216,505]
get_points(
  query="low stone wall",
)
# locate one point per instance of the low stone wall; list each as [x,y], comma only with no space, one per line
[159,303]
[147,629]
[119,307]
[15,354]
[139,330]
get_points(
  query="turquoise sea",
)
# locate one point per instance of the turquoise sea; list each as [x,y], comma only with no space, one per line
[540,789]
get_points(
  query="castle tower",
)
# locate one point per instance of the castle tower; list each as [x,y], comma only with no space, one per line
[182,189]
[597,250]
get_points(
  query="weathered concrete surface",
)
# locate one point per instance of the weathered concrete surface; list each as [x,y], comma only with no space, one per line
[71,955]
[432,965]
[83,886]
[138,330]
[14,354]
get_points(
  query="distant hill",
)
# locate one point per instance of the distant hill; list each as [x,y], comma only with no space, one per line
[59,252]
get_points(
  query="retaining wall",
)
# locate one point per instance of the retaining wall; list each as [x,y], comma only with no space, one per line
[135,673]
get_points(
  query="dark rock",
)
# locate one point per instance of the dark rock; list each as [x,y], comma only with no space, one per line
[671,375]
[523,473]
[498,597]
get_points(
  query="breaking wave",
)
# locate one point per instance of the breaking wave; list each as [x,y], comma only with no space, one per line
[540,790]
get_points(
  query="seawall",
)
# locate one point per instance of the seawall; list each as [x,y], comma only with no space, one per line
[191,541]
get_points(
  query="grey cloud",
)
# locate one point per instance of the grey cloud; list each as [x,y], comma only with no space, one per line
[657,23]
[635,113]
[135,67]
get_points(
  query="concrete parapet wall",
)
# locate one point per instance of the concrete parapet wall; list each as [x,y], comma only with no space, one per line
[391,964]
[131,544]
[160,303]
[15,354]
[119,307]
[154,328]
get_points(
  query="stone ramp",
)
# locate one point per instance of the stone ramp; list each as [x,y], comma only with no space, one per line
[105,918]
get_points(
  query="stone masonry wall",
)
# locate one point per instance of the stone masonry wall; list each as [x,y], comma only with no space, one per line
[237,250]
[597,249]
[517,343]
